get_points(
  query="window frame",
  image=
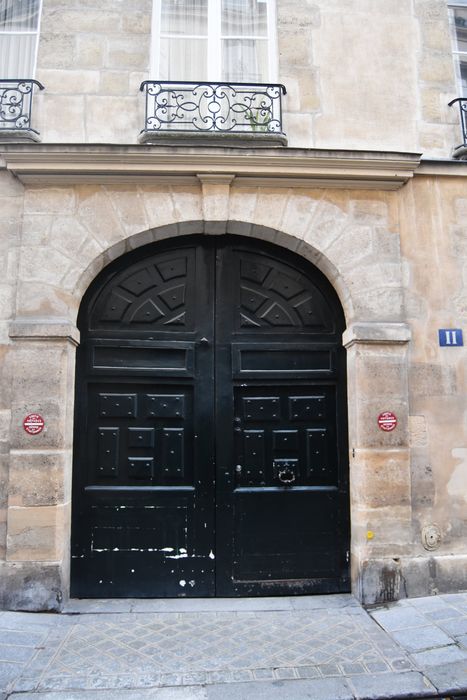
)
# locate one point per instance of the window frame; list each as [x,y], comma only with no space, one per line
[214,39]
[456,54]
[27,32]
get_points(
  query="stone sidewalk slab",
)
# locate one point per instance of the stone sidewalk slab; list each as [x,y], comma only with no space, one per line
[322,689]
[410,684]
[449,678]
[304,647]
[188,693]
[431,629]
[330,689]
[455,627]
[399,618]
[422,638]
[439,656]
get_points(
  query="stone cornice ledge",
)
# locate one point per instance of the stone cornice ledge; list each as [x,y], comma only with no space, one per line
[279,167]
[44,329]
[376,334]
[443,167]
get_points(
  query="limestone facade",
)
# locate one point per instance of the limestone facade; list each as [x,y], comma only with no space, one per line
[92,60]
[387,230]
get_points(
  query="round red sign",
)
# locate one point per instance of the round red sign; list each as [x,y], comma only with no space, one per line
[387,421]
[33,424]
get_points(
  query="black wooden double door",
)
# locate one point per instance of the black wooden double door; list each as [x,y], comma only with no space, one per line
[210,436]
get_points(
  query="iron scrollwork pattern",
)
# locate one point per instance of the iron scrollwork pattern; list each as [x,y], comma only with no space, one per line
[16,104]
[199,107]
[462,102]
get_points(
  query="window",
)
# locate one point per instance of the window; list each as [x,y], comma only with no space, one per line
[214,40]
[19,31]
[458,22]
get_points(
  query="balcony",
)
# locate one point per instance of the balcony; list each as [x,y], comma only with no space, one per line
[460,152]
[16,110]
[226,114]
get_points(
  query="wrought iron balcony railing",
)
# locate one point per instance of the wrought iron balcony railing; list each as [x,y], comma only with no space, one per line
[216,111]
[461,150]
[16,108]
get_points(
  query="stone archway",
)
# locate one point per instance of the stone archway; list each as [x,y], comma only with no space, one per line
[360,257]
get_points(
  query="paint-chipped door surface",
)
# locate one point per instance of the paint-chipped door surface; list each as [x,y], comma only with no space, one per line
[210,440]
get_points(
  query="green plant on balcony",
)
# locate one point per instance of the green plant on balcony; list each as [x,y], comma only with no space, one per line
[258,119]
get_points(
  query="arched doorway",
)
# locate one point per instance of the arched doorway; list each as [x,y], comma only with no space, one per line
[211,432]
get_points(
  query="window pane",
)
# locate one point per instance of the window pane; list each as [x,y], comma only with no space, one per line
[19,15]
[460,29]
[184,17]
[244,18]
[17,55]
[244,60]
[462,75]
[183,59]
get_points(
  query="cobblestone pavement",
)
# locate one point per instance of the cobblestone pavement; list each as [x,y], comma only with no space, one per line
[244,647]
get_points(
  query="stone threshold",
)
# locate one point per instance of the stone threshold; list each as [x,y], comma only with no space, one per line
[81,606]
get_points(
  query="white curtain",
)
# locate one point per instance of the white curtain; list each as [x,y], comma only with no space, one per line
[183,58]
[186,17]
[244,30]
[19,20]
[237,35]
[244,60]
[244,18]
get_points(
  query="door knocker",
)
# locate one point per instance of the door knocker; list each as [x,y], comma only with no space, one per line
[286,476]
[285,471]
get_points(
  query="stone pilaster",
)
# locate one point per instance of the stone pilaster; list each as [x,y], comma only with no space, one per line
[39,498]
[379,461]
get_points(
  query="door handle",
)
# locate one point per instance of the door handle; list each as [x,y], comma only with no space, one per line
[204,341]
[238,469]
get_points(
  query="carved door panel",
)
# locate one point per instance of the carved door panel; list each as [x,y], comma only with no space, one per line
[210,426]
[143,505]
[282,523]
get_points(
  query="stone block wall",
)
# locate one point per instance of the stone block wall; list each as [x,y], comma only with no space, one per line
[370,75]
[435,80]
[359,74]
[434,249]
[11,212]
[92,59]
